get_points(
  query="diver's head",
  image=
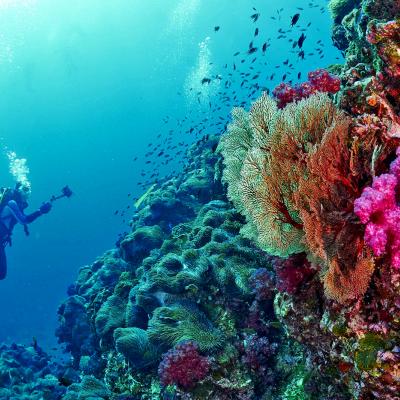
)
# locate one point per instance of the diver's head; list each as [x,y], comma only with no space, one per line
[22,192]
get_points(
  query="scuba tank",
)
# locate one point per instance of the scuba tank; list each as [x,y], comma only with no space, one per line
[6,194]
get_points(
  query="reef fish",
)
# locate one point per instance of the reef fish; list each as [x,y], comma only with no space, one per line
[295,19]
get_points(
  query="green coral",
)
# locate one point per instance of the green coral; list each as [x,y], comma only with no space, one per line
[368,347]
[110,316]
[138,244]
[232,274]
[134,344]
[172,275]
[171,325]
[89,389]
[340,8]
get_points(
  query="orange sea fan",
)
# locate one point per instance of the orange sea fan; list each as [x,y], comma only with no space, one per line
[278,162]
[327,190]
[344,286]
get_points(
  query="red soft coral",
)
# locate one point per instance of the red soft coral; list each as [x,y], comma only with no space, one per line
[318,81]
[183,365]
[292,272]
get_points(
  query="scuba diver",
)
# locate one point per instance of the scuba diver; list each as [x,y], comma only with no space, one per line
[13,202]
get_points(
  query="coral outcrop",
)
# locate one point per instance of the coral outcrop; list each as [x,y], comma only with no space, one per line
[183,295]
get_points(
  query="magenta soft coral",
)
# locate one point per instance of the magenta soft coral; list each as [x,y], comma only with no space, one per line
[318,81]
[378,209]
[183,365]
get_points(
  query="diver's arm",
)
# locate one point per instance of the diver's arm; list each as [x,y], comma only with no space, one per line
[19,215]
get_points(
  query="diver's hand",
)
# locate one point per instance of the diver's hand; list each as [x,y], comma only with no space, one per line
[45,208]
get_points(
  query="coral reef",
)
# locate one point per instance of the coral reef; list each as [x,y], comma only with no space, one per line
[269,267]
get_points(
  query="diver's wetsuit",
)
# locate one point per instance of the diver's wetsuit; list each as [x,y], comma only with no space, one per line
[10,216]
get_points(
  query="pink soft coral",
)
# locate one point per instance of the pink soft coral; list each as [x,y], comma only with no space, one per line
[378,209]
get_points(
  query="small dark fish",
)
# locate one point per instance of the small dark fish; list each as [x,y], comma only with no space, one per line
[255,17]
[284,77]
[295,19]
[301,40]
[264,47]
[236,54]
[205,80]
[294,45]
[256,32]
[299,75]
[286,62]
[217,28]
[301,54]
[252,50]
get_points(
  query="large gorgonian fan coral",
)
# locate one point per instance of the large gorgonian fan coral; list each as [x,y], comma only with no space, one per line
[265,155]
[295,173]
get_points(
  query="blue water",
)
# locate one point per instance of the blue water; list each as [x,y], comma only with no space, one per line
[85,86]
